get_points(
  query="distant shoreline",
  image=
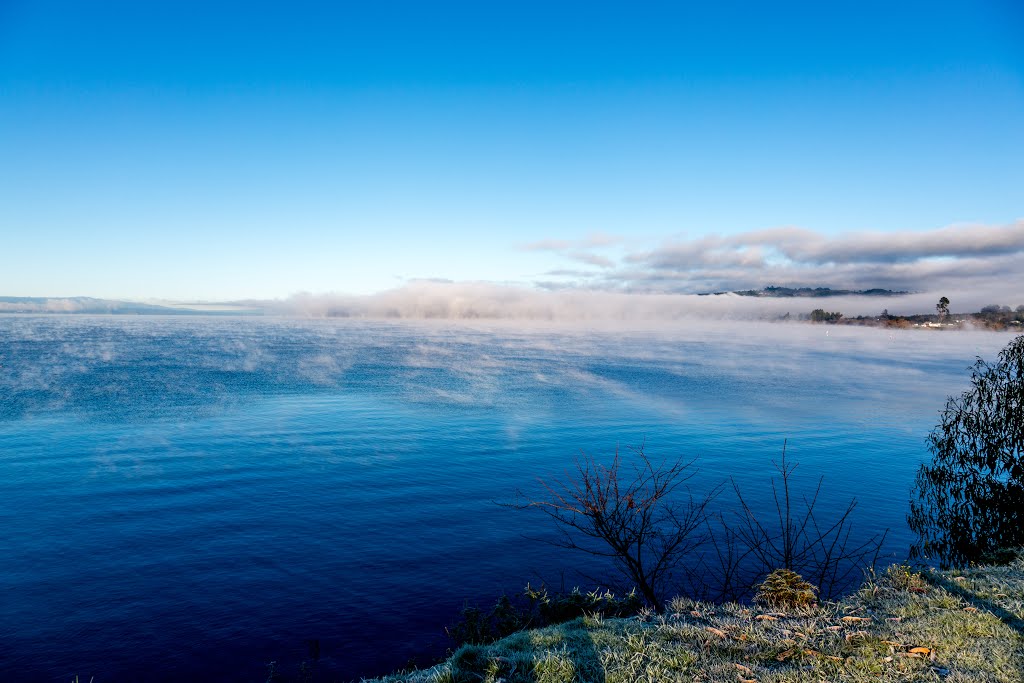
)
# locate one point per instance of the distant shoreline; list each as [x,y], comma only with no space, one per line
[472,303]
[1002,319]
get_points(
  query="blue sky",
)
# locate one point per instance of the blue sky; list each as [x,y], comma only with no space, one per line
[247,150]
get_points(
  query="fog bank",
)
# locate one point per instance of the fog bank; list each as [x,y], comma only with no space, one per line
[471,301]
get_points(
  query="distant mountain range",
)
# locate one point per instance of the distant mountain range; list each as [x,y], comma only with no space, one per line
[87,305]
[812,292]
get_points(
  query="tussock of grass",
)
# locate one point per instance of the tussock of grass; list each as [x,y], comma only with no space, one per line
[784,589]
[955,626]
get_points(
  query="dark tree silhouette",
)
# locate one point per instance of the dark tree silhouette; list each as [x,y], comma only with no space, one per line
[820,315]
[640,519]
[942,308]
[969,500]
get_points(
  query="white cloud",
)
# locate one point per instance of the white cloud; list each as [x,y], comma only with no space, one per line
[972,265]
[956,256]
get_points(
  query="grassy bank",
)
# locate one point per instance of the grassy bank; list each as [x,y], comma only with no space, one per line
[965,625]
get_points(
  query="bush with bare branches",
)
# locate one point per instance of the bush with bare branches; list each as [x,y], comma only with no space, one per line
[654,532]
[744,546]
[643,521]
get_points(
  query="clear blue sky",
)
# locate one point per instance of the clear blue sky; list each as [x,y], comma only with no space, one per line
[211,150]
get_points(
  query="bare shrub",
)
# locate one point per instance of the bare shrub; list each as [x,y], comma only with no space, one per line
[637,516]
[744,547]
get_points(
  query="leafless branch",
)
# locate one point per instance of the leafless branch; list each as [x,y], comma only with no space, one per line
[641,520]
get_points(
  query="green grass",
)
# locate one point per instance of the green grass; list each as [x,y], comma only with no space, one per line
[965,625]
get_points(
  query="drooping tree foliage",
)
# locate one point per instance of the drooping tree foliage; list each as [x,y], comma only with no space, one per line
[969,501]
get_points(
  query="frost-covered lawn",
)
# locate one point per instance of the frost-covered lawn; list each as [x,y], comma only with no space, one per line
[965,625]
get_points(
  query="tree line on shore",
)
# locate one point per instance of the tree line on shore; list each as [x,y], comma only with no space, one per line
[993,316]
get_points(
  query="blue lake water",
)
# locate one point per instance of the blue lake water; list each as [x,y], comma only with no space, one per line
[189,498]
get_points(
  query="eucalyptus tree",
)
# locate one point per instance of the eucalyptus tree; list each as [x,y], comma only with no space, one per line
[969,500]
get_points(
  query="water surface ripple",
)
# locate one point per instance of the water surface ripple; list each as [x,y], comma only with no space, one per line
[190,498]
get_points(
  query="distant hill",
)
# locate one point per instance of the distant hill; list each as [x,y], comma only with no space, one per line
[783,292]
[89,305]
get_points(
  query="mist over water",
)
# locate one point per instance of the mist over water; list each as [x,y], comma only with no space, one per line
[193,497]
[462,301]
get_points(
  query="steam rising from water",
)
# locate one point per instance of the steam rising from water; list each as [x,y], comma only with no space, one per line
[106,365]
[469,301]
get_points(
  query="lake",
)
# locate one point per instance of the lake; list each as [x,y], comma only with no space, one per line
[189,498]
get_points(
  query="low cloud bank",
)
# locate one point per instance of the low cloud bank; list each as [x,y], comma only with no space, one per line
[972,265]
[952,258]
[472,301]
